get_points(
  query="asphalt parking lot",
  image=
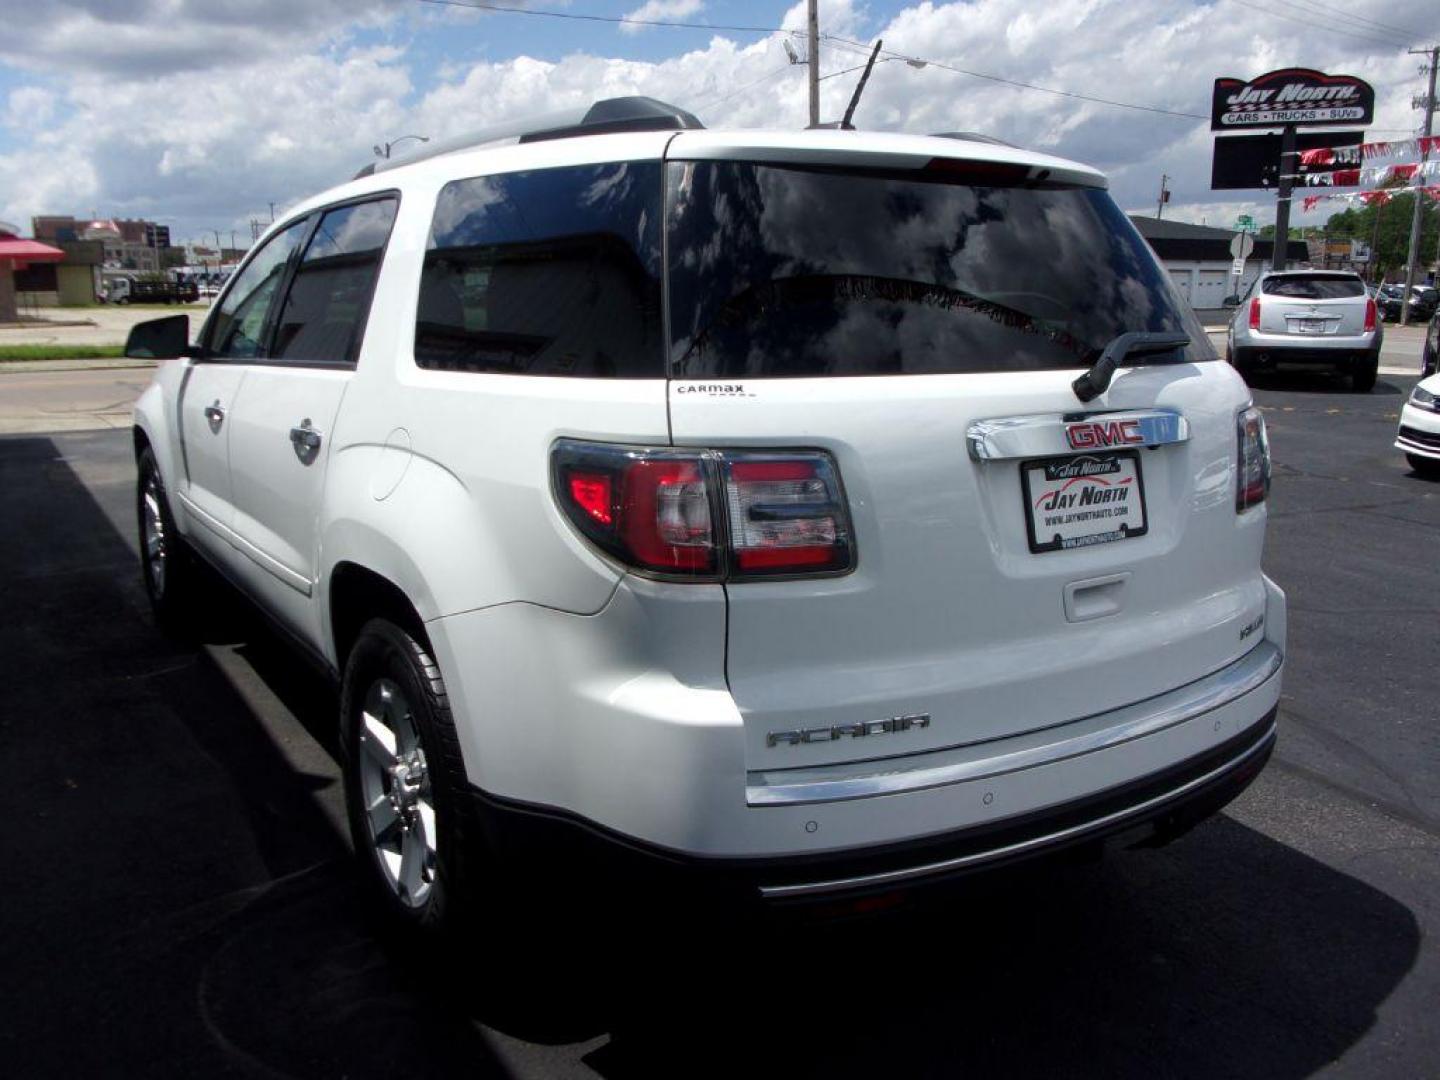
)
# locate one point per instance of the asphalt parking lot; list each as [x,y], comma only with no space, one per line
[179,899]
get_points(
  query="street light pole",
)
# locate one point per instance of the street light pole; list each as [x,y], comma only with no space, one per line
[1164,198]
[385,153]
[812,37]
[1414,255]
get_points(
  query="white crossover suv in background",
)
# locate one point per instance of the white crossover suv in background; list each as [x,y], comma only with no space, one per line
[805,514]
[1307,318]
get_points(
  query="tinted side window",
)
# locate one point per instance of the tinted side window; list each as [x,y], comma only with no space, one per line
[238,328]
[324,313]
[549,272]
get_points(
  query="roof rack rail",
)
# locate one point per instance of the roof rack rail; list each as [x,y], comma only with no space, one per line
[605,117]
[973,136]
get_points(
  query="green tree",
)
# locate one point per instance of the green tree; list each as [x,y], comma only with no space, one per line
[1387,229]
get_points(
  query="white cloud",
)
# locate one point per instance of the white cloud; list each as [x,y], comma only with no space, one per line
[661,9]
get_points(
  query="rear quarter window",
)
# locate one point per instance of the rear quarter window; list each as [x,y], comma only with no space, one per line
[546,272]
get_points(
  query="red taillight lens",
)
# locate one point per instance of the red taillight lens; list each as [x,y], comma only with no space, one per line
[591,493]
[665,520]
[1370,315]
[1253,466]
[706,515]
[1255,314]
[787,515]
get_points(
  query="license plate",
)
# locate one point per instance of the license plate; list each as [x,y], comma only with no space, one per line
[1310,326]
[1086,499]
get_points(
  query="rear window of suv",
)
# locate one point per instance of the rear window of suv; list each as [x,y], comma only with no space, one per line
[787,271]
[1313,287]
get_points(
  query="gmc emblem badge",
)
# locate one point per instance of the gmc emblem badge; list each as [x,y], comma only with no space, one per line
[1094,434]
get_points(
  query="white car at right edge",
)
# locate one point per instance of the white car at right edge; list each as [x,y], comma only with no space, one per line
[1419,433]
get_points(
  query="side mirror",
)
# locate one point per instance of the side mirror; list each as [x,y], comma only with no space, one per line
[1231,301]
[159,338]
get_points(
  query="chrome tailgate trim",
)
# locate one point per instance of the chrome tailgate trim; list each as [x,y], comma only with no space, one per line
[977,761]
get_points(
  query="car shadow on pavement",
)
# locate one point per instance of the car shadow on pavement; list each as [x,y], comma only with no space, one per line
[1316,382]
[185,906]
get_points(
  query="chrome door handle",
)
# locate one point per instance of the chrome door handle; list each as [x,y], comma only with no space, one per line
[306,441]
[215,416]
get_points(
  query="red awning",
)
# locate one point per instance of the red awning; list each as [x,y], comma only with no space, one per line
[18,253]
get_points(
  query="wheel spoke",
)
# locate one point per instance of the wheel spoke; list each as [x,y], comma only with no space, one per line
[412,864]
[384,822]
[377,740]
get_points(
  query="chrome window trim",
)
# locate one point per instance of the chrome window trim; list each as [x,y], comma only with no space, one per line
[979,761]
[910,873]
[1009,437]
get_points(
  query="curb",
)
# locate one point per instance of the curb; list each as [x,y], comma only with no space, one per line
[114,363]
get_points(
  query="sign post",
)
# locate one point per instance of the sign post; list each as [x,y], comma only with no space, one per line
[1289,162]
[1240,248]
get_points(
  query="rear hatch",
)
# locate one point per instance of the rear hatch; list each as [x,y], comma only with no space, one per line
[1023,559]
[1313,305]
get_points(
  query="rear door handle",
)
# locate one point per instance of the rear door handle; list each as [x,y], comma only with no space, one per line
[306,441]
[215,416]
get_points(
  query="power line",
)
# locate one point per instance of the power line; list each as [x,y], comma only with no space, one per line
[1361,18]
[1348,23]
[482,5]
[622,20]
[1017,83]
[740,90]
[1315,24]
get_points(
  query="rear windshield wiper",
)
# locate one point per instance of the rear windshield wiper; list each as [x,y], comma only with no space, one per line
[1132,343]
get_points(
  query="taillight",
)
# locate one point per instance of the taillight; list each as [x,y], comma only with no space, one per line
[1255,313]
[1370,315]
[706,515]
[786,515]
[1253,466]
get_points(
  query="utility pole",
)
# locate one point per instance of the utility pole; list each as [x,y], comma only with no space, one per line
[1164,198]
[1414,256]
[812,38]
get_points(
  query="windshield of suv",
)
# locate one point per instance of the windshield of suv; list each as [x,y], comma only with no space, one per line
[1313,286]
[791,271]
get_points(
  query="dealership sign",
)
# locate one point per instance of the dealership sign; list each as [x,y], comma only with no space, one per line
[1291,96]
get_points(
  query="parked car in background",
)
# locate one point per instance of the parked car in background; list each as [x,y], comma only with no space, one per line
[1419,433]
[1309,319]
[1424,300]
[1430,349]
[785,512]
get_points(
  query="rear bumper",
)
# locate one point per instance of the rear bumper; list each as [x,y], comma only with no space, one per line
[1274,351]
[1160,806]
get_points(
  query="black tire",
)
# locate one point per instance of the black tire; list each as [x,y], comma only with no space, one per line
[386,653]
[1426,467]
[1363,375]
[167,567]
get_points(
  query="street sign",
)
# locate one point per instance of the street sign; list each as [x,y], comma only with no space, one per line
[1290,96]
[1243,244]
[1244,221]
[1237,267]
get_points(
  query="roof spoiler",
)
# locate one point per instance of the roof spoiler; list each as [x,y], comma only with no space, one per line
[622,114]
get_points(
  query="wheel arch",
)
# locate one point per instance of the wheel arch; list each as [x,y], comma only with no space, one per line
[357,594]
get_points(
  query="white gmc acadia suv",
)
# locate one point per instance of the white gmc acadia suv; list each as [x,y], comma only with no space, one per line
[811,514]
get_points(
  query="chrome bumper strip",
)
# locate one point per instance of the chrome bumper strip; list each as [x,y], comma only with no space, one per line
[910,873]
[977,761]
